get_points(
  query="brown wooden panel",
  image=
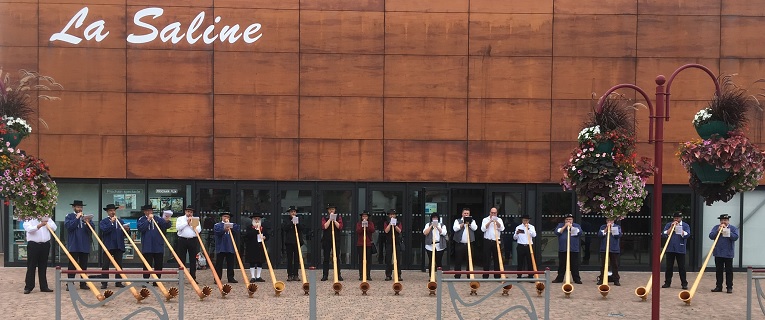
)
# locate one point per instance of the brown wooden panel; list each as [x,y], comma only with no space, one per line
[85,113]
[679,7]
[678,36]
[690,84]
[17,58]
[341,118]
[19,24]
[560,151]
[435,160]
[508,120]
[256,116]
[84,156]
[427,5]
[54,17]
[104,71]
[268,4]
[510,77]
[256,73]
[169,71]
[341,75]
[279,29]
[425,119]
[596,6]
[743,8]
[183,15]
[581,78]
[742,37]
[504,161]
[426,33]
[568,117]
[350,5]
[169,157]
[425,76]
[500,34]
[256,159]
[175,3]
[342,32]
[344,160]
[611,35]
[493,6]
[162,114]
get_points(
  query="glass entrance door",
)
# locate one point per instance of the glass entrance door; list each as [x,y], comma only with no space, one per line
[302,197]
[424,202]
[214,199]
[259,199]
[381,200]
[342,197]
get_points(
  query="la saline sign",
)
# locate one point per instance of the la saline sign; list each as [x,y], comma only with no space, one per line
[174,32]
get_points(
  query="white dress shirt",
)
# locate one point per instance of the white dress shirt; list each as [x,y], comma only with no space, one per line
[184,228]
[40,235]
[523,238]
[436,234]
[488,233]
[456,227]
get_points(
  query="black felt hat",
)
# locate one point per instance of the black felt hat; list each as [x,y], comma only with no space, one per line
[189,208]
[77,203]
[365,212]
[110,206]
[331,205]
[569,216]
[147,207]
[677,214]
[724,216]
[392,211]
[434,215]
[291,208]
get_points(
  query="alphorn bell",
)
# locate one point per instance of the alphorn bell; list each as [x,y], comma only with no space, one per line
[432,285]
[251,287]
[642,292]
[540,286]
[336,286]
[278,285]
[604,288]
[99,296]
[397,286]
[201,293]
[306,285]
[145,293]
[364,286]
[168,294]
[567,287]
[506,288]
[686,295]
[474,285]
[224,289]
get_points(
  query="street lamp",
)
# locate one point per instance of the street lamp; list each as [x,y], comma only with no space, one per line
[662,112]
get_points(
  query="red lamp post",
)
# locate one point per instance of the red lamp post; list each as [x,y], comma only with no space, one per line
[657,137]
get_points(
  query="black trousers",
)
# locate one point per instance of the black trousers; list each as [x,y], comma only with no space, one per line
[155,261]
[490,257]
[82,260]
[524,258]
[439,258]
[671,257]
[562,266]
[724,265]
[460,257]
[291,250]
[613,264]
[117,254]
[188,249]
[37,258]
[326,248]
[229,257]
[389,260]
[360,259]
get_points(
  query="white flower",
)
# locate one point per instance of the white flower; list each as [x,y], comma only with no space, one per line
[11,121]
[701,116]
[588,133]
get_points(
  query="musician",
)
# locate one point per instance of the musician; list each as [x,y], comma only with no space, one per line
[188,245]
[562,231]
[336,221]
[461,238]
[79,238]
[290,243]
[523,251]
[38,251]
[676,249]
[224,248]
[254,237]
[439,233]
[152,243]
[114,240]
[390,226]
[613,250]
[365,225]
[723,252]
[488,226]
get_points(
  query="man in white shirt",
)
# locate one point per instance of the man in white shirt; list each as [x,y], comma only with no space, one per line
[461,238]
[38,250]
[523,234]
[438,235]
[492,226]
[188,245]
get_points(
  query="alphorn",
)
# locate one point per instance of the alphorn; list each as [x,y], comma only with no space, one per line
[397,286]
[567,287]
[364,286]
[540,286]
[99,296]
[306,285]
[686,295]
[224,289]
[169,294]
[145,293]
[506,288]
[251,287]
[474,285]
[278,285]
[642,292]
[201,293]
[336,286]
[604,288]
[432,285]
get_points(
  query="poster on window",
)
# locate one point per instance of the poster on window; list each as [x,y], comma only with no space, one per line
[22,252]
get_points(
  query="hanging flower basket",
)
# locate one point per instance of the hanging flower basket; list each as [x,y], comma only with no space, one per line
[710,128]
[709,174]
[12,138]
[604,146]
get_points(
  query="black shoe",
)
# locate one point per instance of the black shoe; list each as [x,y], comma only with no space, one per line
[530,277]
[666,285]
[232,281]
[83,287]
[685,287]
[324,278]
[729,290]
[120,285]
[259,280]
[27,291]
[103,286]
[369,278]
[339,278]
[616,283]
[520,276]
[717,290]
[67,288]
[154,284]
[143,286]
[557,281]
[457,276]
[400,278]
[360,278]
[46,290]
[388,278]
[252,280]
[578,281]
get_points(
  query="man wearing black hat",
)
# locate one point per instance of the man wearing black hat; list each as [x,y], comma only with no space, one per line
[435,231]
[291,242]
[331,220]
[524,234]
[390,226]
[224,248]
[188,230]
[364,226]
[152,242]
[563,231]
[253,241]
[114,240]
[723,252]
[79,238]
[676,249]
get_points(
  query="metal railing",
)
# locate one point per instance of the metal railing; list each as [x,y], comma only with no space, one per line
[753,283]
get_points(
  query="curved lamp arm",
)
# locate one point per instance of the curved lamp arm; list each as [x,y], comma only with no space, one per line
[672,78]
[602,100]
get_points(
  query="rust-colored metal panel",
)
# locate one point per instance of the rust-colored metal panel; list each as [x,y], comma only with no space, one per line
[162,114]
[691,84]
[345,160]
[422,160]
[174,3]
[341,75]
[85,69]
[427,5]
[256,73]
[85,156]
[742,37]
[560,152]
[510,77]
[679,7]
[256,159]
[674,173]
[344,5]
[169,71]
[588,78]
[743,8]
[169,157]
[596,7]
[426,76]
[267,4]
[500,34]
[508,162]
[183,15]
[568,117]
[509,120]
[243,116]
[426,33]
[679,128]
[55,17]
[615,35]
[341,118]
[342,32]
[678,36]
[31,144]
[494,6]
[19,24]
[746,71]
[426,118]
[280,31]
[84,113]
[17,58]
